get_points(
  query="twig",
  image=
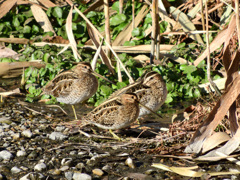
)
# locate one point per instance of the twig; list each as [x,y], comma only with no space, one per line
[133,15]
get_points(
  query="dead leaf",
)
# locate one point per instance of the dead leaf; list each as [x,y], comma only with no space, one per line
[7,52]
[70,35]
[42,19]
[215,116]
[6,6]
[214,140]
[187,171]
[186,24]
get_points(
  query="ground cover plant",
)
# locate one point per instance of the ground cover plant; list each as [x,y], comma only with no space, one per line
[189,44]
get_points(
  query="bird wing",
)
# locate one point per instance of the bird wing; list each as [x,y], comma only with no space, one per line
[58,82]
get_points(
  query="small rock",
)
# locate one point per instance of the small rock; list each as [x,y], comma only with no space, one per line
[60,128]
[80,166]
[98,172]
[68,175]
[81,176]
[16,136]
[32,155]
[66,161]
[130,163]
[21,153]
[5,120]
[33,176]
[149,171]
[40,167]
[4,169]
[106,168]
[27,133]
[64,168]
[55,172]
[15,170]
[57,136]
[5,155]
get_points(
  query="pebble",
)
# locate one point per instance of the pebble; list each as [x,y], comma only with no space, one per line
[98,172]
[66,161]
[27,133]
[80,166]
[16,136]
[68,175]
[15,170]
[55,172]
[130,163]
[33,176]
[40,167]
[60,128]
[21,153]
[64,168]
[5,155]
[57,136]
[81,176]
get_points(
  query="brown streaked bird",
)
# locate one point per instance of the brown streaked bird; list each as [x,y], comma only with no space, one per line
[150,89]
[74,86]
[116,113]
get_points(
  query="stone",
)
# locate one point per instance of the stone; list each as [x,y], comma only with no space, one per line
[27,133]
[57,136]
[40,167]
[21,153]
[5,155]
[15,170]
[81,176]
[98,172]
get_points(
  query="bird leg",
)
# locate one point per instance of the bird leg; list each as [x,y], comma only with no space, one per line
[74,112]
[114,135]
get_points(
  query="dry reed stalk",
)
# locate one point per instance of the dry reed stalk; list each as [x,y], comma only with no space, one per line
[237,19]
[208,54]
[154,30]
[100,35]
[202,15]
[133,15]
[120,6]
[107,26]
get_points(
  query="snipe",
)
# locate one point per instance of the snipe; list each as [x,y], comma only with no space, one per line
[150,89]
[74,86]
[115,113]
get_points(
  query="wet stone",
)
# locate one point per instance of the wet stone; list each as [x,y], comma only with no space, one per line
[66,161]
[80,166]
[64,168]
[15,170]
[27,133]
[98,172]
[130,163]
[32,155]
[82,176]
[57,136]
[33,176]
[21,153]
[55,172]
[40,167]
[60,128]
[5,155]
[68,175]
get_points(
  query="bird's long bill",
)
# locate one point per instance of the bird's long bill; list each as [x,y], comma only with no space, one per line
[98,75]
[150,110]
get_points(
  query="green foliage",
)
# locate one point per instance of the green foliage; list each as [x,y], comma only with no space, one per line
[181,80]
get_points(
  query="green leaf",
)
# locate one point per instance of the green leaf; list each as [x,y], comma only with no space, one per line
[115,6]
[136,32]
[120,85]
[196,93]
[163,26]
[129,43]
[188,68]
[26,29]
[16,22]
[117,19]
[169,99]
[57,12]
[106,90]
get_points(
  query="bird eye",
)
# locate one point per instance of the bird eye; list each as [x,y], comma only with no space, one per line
[85,67]
[151,78]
